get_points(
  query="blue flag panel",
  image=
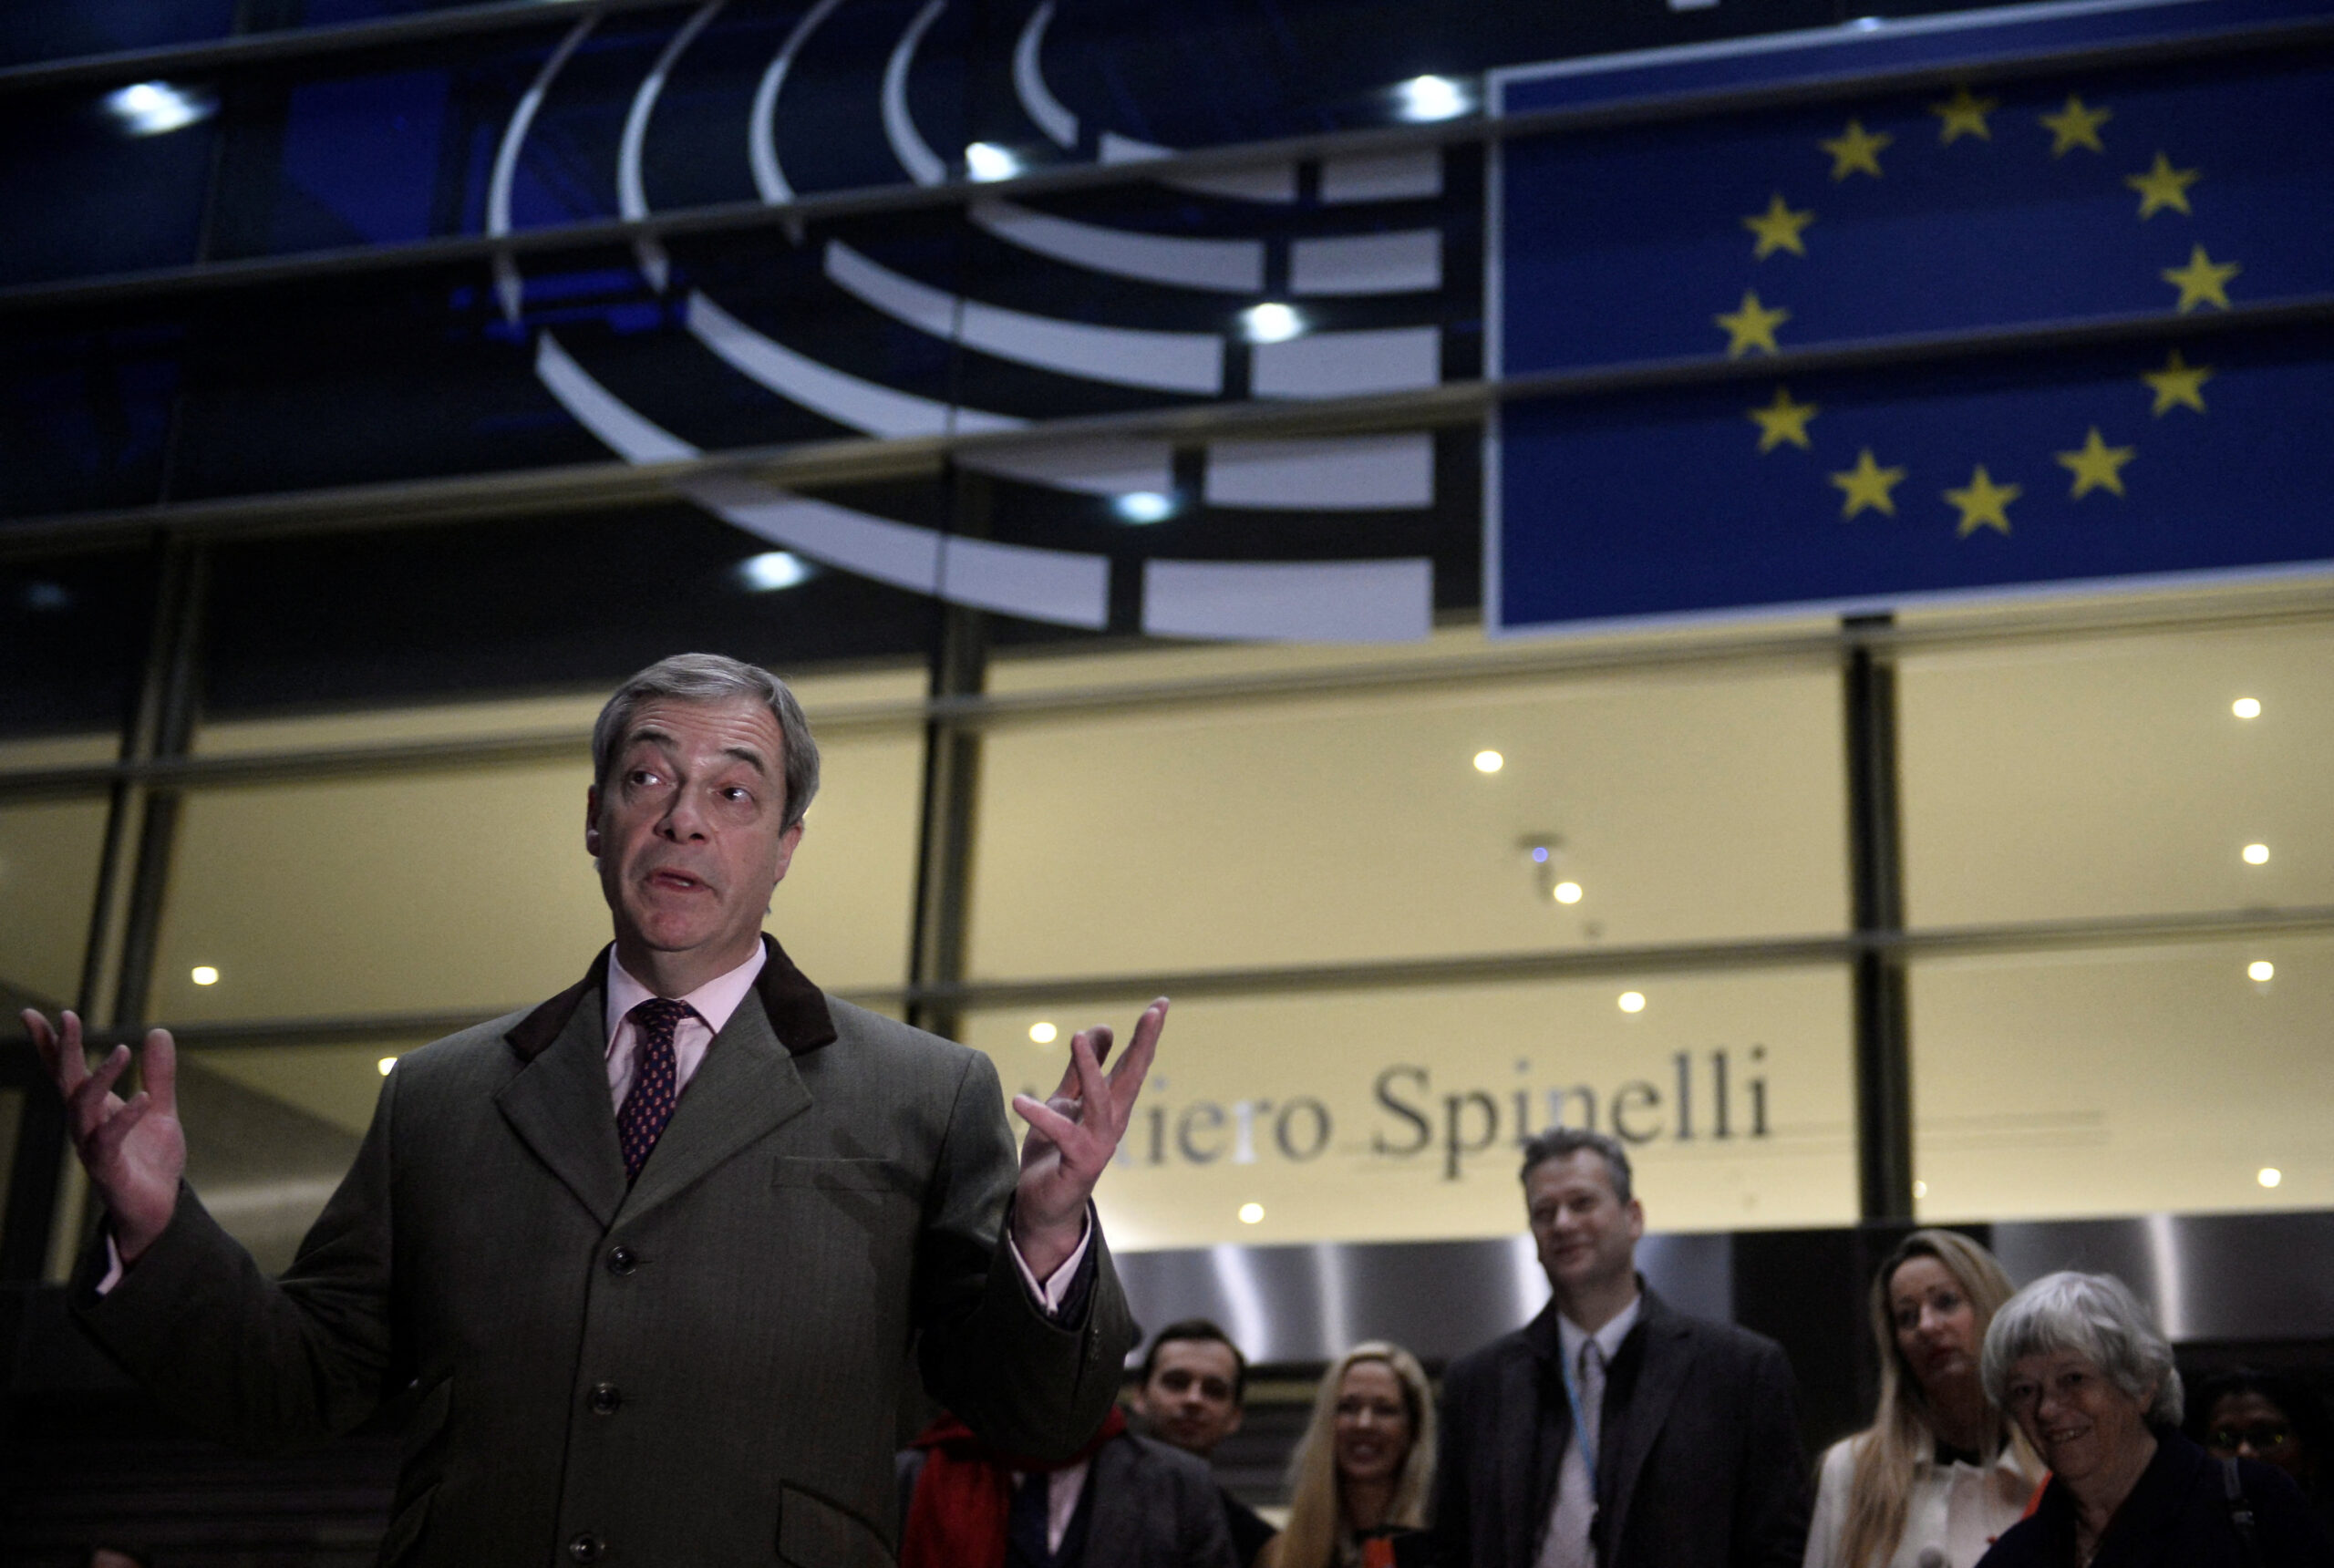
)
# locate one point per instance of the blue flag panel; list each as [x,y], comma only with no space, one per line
[1865,489]
[2172,191]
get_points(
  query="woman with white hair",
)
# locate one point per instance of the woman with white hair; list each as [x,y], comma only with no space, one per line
[2075,1361]
[1365,1467]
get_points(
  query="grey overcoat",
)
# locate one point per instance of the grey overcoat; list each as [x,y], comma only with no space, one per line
[702,1368]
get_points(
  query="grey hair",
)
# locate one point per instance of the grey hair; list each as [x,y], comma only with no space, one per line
[2097,1317]
[714,679]
[1558,1143]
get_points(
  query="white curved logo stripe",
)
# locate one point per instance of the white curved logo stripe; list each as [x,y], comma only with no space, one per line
[1046,112]
[847,399]
[1381,176]
[1263,182]
[507,286]
[1225,266]
[1123,356]
[631,197]
[1090,468]
[1406,261]
[1290,600]
[761,135]
[1346,473]
[1063,587]
[925,166]
[1347,364]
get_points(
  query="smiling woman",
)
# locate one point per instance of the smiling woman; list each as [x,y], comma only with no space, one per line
[2075,1360]
[1366,1465]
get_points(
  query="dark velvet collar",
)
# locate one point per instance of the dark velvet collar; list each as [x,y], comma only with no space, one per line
[796,1008]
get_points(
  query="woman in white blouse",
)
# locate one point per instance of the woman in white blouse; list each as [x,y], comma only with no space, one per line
[1941,1471]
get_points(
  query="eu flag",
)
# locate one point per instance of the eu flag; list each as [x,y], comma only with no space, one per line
[2173,191]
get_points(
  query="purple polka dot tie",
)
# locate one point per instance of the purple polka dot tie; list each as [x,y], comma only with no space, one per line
[648,1105]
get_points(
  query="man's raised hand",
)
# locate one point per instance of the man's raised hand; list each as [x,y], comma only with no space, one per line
[134,1149]
[1072,1136]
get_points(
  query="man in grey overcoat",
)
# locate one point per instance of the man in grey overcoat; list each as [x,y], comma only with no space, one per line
[645,1261]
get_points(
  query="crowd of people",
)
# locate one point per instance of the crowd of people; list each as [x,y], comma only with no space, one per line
[2042,1427]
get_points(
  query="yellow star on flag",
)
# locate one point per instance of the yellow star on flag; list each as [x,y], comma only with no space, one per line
[1752,326]
[1784,420]
[1856,150]
[1984,503]
[2178,384]
[1778,229]
[2162,186]
[2203,281]
[2096,465]
[2077,125]
[1867,485]
[1963,116]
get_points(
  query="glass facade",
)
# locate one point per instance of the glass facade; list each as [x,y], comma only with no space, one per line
[1123,529]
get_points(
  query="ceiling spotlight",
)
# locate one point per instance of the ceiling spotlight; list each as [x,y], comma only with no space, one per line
[2269,1175]
[1271,322]
[1250,1213]
[1425,98]
[1631,1001]
[1042,1033]
[2256,854]
[1920,1188]
[1567,892]
[1144,506]
[203,974]
[1492,763]
[2261,969]
[2247,708]
[385,1063]
[151,108]
[773,570]
[986,160]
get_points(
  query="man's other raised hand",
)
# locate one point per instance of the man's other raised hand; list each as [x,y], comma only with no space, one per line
[133,1149]
[1072,1136]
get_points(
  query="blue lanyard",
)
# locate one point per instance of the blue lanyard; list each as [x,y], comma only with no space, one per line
[1580,1423]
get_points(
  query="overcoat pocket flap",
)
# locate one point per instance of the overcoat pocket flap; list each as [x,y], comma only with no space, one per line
[815,1533]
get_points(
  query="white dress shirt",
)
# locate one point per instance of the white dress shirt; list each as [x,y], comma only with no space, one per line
[1564,1544]
[1951,1517]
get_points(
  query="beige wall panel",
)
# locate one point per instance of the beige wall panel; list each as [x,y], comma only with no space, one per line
[2051,1086]
[1359,828]
[1288,1070]
[2109,777]
[471,890]
[48,878]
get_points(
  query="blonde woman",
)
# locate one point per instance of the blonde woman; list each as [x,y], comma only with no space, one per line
[1365,1463]
[1942,1471]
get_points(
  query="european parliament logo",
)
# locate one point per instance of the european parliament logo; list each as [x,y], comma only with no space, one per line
[2128,206]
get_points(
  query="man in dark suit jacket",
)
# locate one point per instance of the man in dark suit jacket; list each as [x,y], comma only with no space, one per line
[647,1258]
[1614,1431]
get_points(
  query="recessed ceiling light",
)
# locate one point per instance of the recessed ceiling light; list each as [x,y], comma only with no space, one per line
[151,108]
[1250,1213]
[385,1063]
[2247,708]
[1492,763]
[986,160]
[1144,506]
[2256,854]
[1426,98]
[1042,1032]
[2261,969]
[773,570]
[1567,892]
[203,974]
[1920,1188]
[1631,1001]
[1271,322]
[2269,1176]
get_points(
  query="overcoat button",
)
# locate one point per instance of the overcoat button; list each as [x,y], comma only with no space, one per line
[621,1261]
[605,1399]
[585,1548]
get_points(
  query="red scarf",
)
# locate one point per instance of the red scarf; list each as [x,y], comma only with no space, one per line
[957,1518]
